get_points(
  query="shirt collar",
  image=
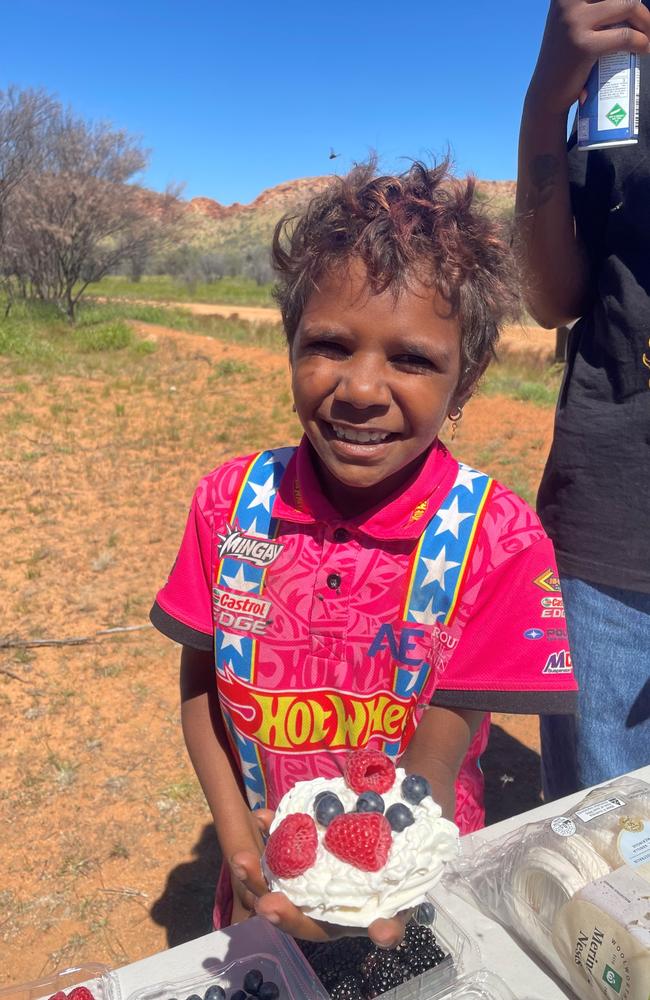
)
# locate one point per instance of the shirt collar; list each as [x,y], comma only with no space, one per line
[402,515]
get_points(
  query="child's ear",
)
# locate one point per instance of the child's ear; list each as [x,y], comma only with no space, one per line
[463,397]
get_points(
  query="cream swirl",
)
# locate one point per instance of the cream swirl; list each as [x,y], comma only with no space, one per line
[339,893]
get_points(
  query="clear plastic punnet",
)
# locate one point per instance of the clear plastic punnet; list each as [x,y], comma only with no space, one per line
[479,985]
[93,975]
[575,889]
[287,969]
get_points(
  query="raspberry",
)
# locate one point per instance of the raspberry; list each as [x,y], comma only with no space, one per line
[291,848]
[58,996]
[80,993]
[369,771]
[361,839]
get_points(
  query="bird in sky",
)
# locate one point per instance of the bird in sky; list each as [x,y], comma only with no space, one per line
[333,155]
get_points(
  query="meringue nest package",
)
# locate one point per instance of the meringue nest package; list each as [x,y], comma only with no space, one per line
[575,890]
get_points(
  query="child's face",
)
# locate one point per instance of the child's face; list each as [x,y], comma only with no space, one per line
[373,381]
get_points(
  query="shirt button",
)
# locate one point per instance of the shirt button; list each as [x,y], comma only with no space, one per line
[334,581]
[341,535]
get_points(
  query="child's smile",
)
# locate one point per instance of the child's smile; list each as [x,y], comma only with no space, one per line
[374,377]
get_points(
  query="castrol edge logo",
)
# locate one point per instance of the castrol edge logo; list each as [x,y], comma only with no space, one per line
[236,544]
[243,612]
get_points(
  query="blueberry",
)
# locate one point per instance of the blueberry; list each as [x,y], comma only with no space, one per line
[268,990]
[328,808]
[239,995]
[425,913]
[195,996]
[414,788]
[399,816]
[215,992]
[369,802]
[253,980]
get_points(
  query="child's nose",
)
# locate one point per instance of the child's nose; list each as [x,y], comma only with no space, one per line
[363,384]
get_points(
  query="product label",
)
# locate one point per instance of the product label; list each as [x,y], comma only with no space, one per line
[614,80]
[602,936]
[599,808]
[634,841]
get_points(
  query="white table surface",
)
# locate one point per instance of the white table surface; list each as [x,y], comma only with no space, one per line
[499,952]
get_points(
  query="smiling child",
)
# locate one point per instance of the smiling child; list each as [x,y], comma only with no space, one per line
[366,588]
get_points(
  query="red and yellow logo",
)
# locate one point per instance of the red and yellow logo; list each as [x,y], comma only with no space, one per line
[288,721]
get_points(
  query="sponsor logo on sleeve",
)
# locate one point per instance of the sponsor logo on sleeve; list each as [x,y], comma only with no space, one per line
[552,607]
[558,663]
[236,544]
[534,633]
[548,581]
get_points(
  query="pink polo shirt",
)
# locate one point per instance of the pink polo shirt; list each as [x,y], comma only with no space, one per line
[319,658]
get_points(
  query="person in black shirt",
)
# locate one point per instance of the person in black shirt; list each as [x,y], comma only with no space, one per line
[583,232]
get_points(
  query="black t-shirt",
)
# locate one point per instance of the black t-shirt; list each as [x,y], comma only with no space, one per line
[594,500]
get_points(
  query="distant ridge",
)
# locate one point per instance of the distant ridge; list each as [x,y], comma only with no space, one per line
[245,228]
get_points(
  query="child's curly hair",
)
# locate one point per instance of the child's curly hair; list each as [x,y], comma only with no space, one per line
[421,224]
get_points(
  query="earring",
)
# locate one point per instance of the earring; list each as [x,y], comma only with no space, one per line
[294,408]
[455,416]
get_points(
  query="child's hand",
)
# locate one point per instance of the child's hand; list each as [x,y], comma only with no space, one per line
[577,33]
[279,910]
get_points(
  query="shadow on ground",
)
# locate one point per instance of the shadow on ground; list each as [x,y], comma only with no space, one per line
[185,907]
[512,777]
[512,785]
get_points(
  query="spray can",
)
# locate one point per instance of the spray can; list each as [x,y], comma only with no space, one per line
[610,114]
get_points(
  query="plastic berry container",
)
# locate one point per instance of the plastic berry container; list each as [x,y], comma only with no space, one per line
[287,970]
[93,975]
[479,985]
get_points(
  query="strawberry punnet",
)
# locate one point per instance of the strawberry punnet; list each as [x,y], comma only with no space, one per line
[361,839]
[369,771]
[291,848]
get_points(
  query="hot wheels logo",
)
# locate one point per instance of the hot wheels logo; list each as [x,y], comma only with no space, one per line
[291,721]
[236,544]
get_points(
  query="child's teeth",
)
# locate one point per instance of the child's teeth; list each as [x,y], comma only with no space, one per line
[360,437]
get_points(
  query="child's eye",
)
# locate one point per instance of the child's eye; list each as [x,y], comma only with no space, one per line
[326,348]
[414,362]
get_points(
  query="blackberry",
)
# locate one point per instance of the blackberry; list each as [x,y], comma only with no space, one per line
[382,970]
[348,988]
[419,950]
[333,961]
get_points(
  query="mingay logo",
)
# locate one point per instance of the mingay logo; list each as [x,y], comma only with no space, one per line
[294,721]
[558,663]
[236,544]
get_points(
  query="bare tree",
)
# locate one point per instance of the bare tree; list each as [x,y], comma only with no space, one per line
[79,215]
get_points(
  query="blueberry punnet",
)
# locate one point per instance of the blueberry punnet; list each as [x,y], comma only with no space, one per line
[327,808]
[414,788]
[399,816]
[369,802]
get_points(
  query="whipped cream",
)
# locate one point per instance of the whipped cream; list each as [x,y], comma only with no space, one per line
[339,893]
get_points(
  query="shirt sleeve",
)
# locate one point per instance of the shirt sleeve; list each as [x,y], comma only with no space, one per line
[513,654]
[183,609]
[591,178]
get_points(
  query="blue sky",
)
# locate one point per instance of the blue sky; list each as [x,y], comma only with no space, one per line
[232,98]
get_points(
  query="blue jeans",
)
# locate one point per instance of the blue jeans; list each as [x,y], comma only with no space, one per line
[609,636]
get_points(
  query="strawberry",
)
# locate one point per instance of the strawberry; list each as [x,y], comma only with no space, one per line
[80,993]
[291,848]
[361,839]
[369,771]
